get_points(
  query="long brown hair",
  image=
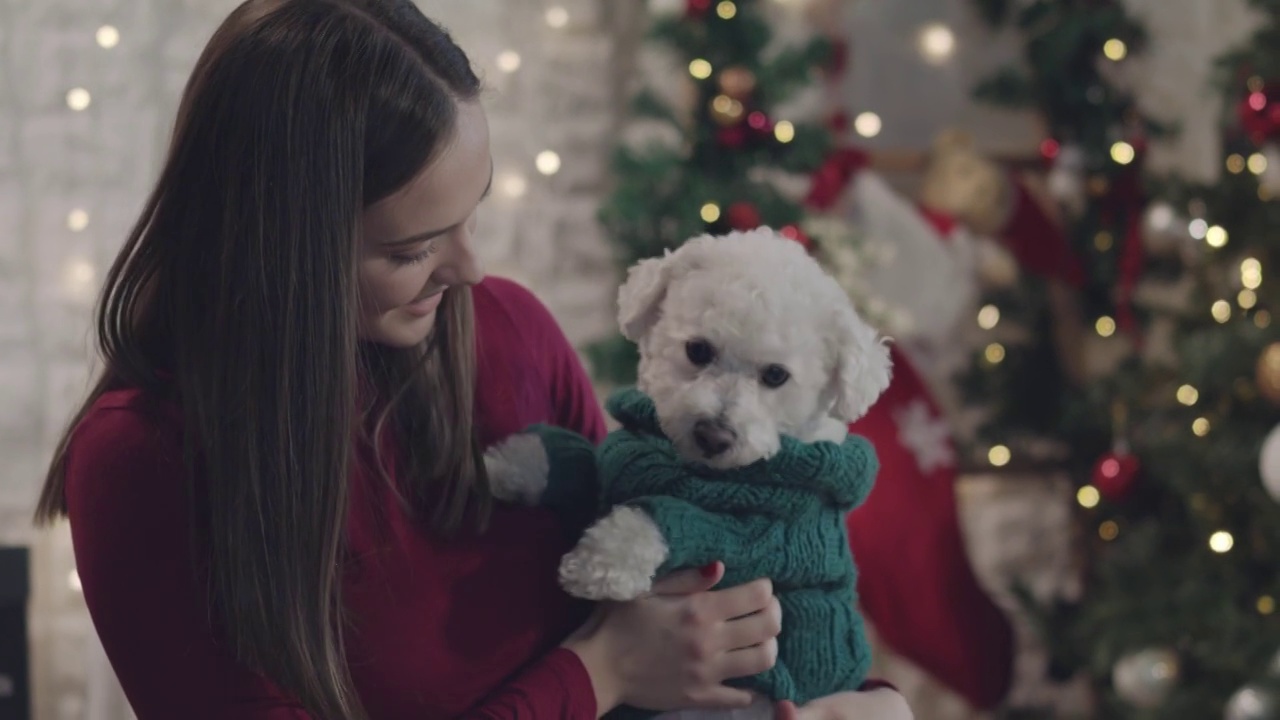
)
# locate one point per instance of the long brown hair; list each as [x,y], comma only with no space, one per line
[236,294]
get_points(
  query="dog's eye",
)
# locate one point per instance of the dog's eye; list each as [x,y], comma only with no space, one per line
[775,376]
[700,352]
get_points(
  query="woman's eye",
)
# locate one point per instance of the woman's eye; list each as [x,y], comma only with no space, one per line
[417,257]
[411,259]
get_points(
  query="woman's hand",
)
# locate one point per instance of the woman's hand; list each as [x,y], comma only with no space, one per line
[878,704]
[675,647]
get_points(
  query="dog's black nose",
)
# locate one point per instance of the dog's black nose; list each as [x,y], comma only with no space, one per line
[712,437]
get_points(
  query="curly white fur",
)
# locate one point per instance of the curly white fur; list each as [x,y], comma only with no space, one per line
[758,300]
[616,558]
[518,469]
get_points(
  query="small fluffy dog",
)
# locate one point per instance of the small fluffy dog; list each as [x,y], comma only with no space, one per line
[733,447]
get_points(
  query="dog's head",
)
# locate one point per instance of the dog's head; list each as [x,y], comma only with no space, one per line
[743,338]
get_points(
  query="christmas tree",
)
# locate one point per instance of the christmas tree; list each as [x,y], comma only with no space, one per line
[1180,507]
[715,152]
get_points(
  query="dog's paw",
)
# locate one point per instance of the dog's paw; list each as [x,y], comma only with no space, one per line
[518,469]
[616,558]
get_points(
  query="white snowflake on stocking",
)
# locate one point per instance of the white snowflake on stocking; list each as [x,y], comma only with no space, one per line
[926,436]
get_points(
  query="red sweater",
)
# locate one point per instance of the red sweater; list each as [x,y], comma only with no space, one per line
[458,629]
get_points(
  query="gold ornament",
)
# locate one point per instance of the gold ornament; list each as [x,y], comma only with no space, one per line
[726,111]
[737,82]
[1268,376]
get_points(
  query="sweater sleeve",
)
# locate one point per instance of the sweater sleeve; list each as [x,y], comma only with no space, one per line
[129,531]
[558,687]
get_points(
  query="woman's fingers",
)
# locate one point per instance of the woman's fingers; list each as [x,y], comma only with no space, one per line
[688,582]
[750,661]
[742,600]
[754,629]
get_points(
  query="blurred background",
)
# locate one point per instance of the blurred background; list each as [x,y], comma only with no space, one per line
[1062,211]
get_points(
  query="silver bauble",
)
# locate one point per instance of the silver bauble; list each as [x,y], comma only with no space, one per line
[1144,679]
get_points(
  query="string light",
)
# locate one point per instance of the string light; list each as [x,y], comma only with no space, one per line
[726,9]
[1122,152]
[547,162]
[557,17]
[1109,530]
[78,277]
[867,124]
[508,61]
[1197,228]
[988,317]
[1251,273]
[77,220]
[1103,241]
[1200,426]
[1221,311]
[1262,319]
[1188,395]
[78,99]
[513,185]
[999,456]
[1161,216]
[700,69]
[1266,605]
[1216,236]
[1257,163]
[937,43]
[784,131]
[1088,496]
[994,353]
[1106,326]
[1221,542]
[1247,299]
[1115,49]
[1235,163]
[107,37]
[710,212]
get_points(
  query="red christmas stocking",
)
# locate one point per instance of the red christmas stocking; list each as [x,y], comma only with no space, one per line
[915,582]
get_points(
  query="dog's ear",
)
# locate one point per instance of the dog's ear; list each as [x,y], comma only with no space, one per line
[640,296]
[862,368]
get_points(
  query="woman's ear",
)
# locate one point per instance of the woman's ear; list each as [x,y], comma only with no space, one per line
[641,295]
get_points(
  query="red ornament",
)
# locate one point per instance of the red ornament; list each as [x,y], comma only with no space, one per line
[838,122]
[742,215]
[697,9]
[1259,114]
[1049,148]
[794,233]
[835,173]
[1115,475]
[732,137]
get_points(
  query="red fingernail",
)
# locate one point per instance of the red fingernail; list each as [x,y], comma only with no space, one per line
[709,571]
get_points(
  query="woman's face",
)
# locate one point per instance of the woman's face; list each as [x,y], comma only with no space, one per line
[417,242]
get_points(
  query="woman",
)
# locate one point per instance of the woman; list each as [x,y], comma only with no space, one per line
[275,490]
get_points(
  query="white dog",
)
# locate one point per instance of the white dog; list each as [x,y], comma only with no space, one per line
[743,339]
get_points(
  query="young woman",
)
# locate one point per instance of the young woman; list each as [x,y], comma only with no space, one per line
[275,489]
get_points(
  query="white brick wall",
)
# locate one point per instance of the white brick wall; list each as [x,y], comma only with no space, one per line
[102,160]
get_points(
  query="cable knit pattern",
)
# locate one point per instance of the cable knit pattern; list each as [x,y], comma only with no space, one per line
[782,518]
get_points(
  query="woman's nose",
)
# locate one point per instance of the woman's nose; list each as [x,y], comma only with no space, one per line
[460,266]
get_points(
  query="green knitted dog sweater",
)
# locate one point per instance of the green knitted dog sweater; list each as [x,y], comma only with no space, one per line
[781,518]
